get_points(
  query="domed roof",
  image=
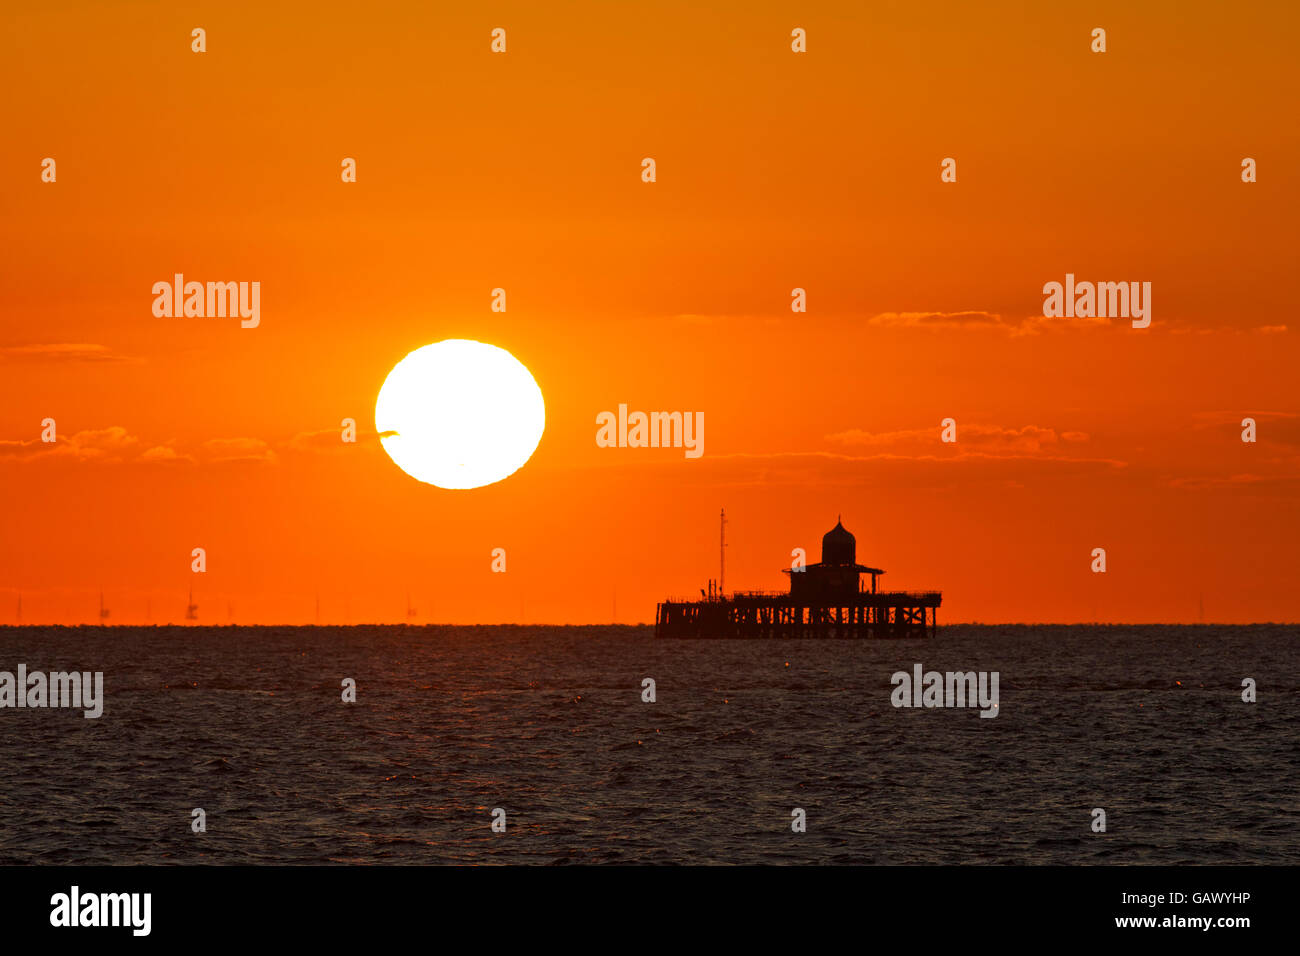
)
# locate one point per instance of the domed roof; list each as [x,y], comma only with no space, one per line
[839,546]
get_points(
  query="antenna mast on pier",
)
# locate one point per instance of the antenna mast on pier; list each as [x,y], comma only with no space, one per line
[722,552]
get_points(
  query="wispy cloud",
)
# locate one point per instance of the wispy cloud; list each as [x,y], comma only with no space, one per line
[1273,428]
[978,320]
[973,440]
[237,450]
[330,440]
[1286,486]
[165,454]
[109,445]
[64,352]
[885,469]
[116,445]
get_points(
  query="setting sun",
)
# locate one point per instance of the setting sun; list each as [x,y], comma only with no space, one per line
[460,414]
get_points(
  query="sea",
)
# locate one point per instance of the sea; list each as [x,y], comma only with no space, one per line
[542,745]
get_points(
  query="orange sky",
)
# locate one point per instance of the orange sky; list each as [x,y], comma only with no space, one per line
[775,170]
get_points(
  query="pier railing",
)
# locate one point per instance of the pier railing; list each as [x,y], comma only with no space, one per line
[912,594]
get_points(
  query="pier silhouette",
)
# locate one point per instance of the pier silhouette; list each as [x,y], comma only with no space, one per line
[829,599]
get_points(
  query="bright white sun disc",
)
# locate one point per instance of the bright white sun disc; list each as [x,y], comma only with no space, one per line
[461,414]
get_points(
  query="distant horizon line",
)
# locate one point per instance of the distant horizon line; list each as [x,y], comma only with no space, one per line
[643,624]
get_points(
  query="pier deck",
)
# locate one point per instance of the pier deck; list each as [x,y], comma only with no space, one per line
[750,615]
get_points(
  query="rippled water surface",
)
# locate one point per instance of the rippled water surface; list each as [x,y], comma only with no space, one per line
[549,724]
